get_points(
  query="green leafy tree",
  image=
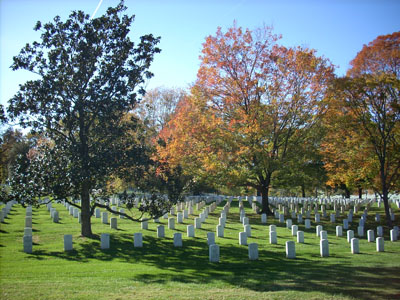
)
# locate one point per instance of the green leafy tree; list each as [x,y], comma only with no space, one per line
[91,75]
[3,118]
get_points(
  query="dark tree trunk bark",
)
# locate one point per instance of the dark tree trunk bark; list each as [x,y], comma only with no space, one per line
[346,192]
[264,191]
[385,195]
[303,191]
[265,200]
[360,193]
[86,225]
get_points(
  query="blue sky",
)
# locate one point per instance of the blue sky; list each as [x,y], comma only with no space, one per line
[337,29]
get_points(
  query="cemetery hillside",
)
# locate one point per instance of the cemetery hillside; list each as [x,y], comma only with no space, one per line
[271,177]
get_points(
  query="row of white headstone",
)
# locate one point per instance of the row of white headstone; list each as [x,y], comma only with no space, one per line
[222,220]
[6,210]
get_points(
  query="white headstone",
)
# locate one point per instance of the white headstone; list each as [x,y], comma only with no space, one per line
[28,222]
[345,224]
[223,216]
[379,231]
[333,218]
[27,231]
[245,221]
[220,231]
[350,217]
[68,242]
[263,219]
[360,231]
[179,217]
[104,217]
[145,225]
[380,244]
[290,249]
[281,218]
[105,241]
[178,239]
[97,212]
[273,237]
[27,241]
[355,247]
[160,231]
[197,223]
[253,251]
[324,248]
[300,218]
[396,228]
[113,223]
[214,253]
[190,231]
[171,223]
[272,228]
[295,228]
[371,236]
[300,236]
[55,216]
[350,235]
[317,218]
[393,235]
[247,229]
[318,230]
[339,231]
[137,240]
[289,223]
[323,235]
[242,238]
[307,223]
[210,238]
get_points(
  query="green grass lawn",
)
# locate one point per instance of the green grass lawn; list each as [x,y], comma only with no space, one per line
[160,271]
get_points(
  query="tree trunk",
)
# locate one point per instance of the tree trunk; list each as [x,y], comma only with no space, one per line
[360,193]
[86,226]
[385,194]
[346,192]
[385,197]
[264,191]
[303,191]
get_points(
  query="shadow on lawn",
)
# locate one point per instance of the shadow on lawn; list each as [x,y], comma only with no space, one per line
[272,272]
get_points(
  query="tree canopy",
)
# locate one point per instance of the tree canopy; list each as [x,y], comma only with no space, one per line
[365,118]
[253,104]
[91,76]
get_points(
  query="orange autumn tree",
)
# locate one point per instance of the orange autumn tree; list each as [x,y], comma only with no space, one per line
[367,102]
[253,104]
[346,156]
